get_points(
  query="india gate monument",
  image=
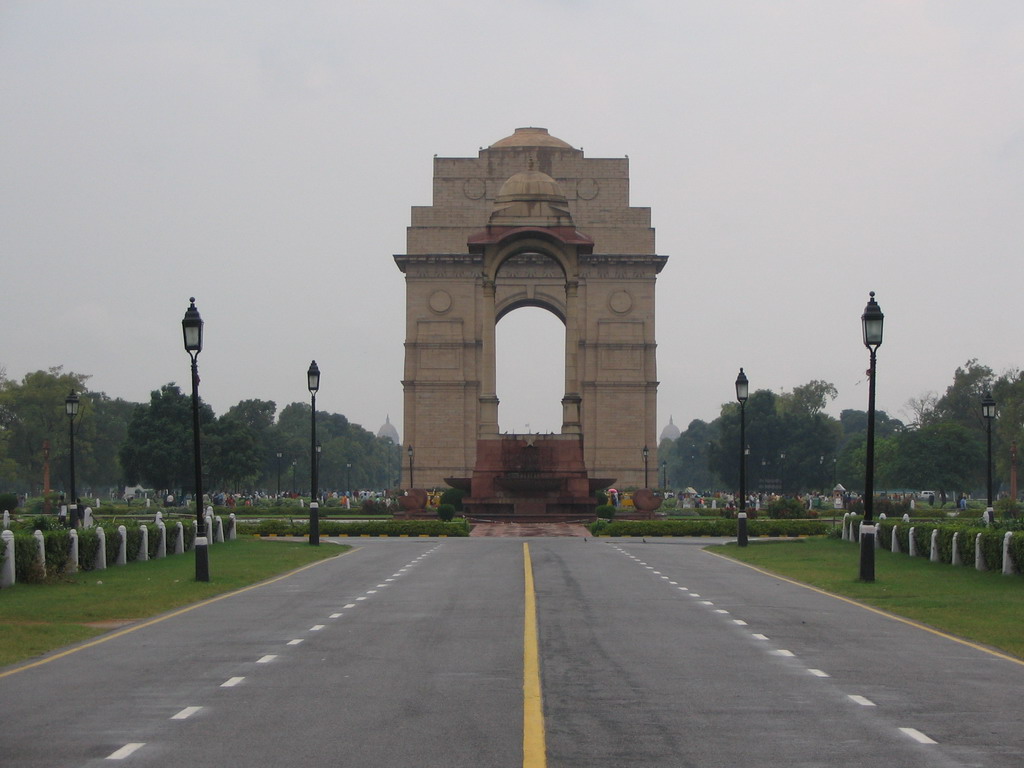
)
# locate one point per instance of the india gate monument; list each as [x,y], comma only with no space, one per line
[530,222]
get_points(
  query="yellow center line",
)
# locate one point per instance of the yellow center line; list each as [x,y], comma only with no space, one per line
[165,617]
[534,750]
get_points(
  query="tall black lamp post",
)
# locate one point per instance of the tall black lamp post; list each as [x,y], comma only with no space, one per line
[742,393]
[988,410]
[279,474]
[871,324]
[295,464]
[313,380]
[782,470]
[646,453]
[664,475]
[192,330]
[348,479]
[71,409]
[410,452]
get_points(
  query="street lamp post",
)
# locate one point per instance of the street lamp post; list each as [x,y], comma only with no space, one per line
[646,453]
[871,325]
[348,479]
[664,475]
[742,392]
[192,330]
[313,381]
[295,463]
[279,474]
[410,452]
[71,409]
[782,478]
[988,410]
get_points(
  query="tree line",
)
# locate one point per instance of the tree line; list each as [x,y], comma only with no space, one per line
[795,447]
[119,443]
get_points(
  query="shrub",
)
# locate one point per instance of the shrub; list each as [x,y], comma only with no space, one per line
[9,502]
[454,497]
[786,509]
[602,498]
[446,512]
[1007,508]
[605,511]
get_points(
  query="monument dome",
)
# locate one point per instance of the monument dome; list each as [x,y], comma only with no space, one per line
[530,137]
[388,430]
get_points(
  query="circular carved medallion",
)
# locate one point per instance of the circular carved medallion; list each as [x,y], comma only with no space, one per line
[474,189]
[587,189]
[620,302]
[440,302]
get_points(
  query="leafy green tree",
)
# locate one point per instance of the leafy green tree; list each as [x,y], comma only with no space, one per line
[961,402]
[31,412]
[947,457]
[159,442]
[232,454]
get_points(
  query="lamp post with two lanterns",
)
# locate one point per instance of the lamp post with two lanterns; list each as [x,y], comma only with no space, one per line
[192,330]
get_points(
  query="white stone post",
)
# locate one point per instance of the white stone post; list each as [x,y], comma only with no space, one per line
[912,541]
[100,562]
[906,518]
[122,545]
[144,546]
[934,554]
[7,519]
[7,572]
[147,502]
[209,526]
[218,536]
[72,565]
[40,548]
[232,527]
[87,520]
[161,545]
[846,520]
[97,502]
[957,560]
[159,516]
[179,545]
[895,548]
[979,556]
[1008,566]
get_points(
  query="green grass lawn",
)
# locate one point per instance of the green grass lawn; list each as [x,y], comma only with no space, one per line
[982,606]
[36,618]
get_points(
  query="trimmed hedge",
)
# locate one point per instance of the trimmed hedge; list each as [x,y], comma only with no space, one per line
[716,527]
[371,528]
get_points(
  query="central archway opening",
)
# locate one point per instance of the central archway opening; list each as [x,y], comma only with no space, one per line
[530,371]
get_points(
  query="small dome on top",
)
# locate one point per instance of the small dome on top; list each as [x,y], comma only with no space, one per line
[530,185]
[670,432]
[530,137]
[388,431]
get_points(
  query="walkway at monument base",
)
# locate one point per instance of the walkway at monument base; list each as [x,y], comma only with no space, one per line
[528,529]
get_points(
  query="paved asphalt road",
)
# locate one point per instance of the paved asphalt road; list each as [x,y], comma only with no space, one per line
[410,653]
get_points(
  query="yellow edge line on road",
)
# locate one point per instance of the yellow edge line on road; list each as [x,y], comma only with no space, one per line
[134,627]
[534,750]
[879,611]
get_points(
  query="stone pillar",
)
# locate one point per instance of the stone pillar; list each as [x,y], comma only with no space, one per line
[571,422]
[7,571]
[912,542]
[100,562]
[122,546]
[218,535]
[179,544]
[895,548]
[144,546]
[72,564]
[956,559]
[40,548]
[934,554]
[232,529]
[979,556]
[161,544]
[1008,565]
[488,393]
[7,519]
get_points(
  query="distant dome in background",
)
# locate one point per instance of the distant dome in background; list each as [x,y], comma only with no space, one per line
[388,430]
[670,432]
[531,137]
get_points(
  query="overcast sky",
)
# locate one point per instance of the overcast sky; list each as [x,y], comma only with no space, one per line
[263,157]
